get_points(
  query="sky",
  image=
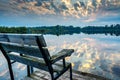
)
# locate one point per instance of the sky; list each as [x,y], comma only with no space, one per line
[59,12]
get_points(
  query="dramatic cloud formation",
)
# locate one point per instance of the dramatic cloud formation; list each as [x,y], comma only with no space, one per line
[85,11]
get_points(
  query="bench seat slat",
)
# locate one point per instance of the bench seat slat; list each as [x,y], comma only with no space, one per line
[38,63]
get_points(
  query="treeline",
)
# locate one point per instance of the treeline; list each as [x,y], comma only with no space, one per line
[21,30]
[57,30]
[60,30]
[112,29]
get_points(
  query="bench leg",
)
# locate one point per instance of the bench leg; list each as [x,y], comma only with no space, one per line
[70,72]
[52,78]
[28,70]
[31,70]
[10,70]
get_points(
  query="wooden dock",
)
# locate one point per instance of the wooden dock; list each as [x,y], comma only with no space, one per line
[42,75]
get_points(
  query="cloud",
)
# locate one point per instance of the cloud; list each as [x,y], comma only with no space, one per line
[3,72]
[86,11]
[42,9]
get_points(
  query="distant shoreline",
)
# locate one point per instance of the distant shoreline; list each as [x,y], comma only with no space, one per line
[61,30]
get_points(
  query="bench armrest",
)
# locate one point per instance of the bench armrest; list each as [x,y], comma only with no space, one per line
[61,55]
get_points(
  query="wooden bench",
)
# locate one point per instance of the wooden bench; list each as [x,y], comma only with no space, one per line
[32,51]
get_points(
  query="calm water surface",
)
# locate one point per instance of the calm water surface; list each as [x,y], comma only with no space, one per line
[97,54]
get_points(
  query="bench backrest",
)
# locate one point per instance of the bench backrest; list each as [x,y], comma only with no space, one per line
[24,39]
[32,45]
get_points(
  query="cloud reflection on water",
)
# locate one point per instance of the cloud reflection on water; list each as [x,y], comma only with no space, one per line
[3,72]
[91,54]
[21,67]
[18,69]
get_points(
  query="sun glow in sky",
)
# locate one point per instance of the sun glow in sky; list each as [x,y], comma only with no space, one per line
[59,12]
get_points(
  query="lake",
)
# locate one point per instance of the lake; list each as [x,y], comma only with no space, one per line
[94,53]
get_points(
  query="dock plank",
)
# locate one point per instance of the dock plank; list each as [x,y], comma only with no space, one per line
[42,75]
